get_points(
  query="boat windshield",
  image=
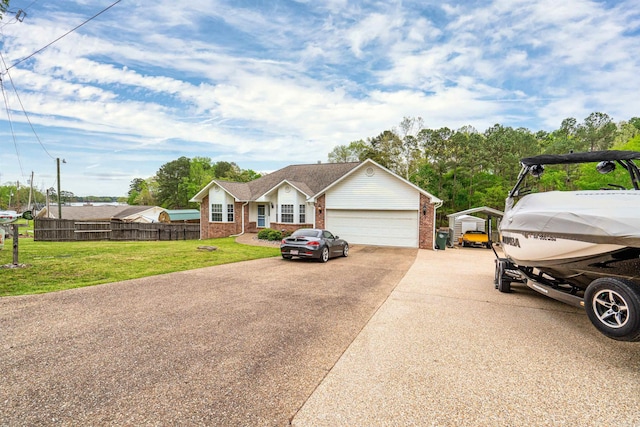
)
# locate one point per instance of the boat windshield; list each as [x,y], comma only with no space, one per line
[596,170]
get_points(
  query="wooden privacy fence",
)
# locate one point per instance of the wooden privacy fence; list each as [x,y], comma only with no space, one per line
[64,230]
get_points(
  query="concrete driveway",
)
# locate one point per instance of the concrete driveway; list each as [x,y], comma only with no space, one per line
[235,345]
[447,349]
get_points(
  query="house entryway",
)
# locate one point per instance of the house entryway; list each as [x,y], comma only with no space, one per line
[262,216]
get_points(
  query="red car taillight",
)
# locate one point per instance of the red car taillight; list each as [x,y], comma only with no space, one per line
[283,241]
[313,244]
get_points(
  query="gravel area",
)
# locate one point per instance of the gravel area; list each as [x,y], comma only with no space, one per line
[234,345]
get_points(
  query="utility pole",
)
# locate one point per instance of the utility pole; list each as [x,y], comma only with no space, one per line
[59,203]
[30,191]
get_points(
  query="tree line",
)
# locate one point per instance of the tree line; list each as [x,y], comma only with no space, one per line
[464,167]
[467,168]
[179,180]
[15,196]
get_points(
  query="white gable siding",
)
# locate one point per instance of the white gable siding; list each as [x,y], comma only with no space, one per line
[288,197]
[217,195]
[372,188]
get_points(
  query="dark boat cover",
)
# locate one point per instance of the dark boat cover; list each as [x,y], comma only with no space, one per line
[588,157]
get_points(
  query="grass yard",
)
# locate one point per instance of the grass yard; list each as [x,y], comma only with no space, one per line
[55,266]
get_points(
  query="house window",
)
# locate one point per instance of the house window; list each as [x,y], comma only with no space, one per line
[303,217]
[287,213]
[216,212]
[230,212]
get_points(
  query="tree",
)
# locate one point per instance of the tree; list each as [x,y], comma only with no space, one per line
[4,6]
[407,150]
[433,144]
[563,140]
[173,180]
[597,132]
[627,131]
[137,186]
[356,151]
[147,194]
[386,149]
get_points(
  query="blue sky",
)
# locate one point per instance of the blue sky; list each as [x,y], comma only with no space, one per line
[267,83]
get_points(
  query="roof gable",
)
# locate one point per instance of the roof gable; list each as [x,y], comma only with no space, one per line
[369,162]
[95,212]
[312,180]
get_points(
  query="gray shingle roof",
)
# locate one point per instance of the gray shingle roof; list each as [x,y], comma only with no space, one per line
[310,179]
[95,213]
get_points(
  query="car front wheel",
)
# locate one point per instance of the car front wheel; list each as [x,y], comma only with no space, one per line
[324,254]
[613,306]
[345,250]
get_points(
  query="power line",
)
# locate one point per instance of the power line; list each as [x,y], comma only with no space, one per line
[19,15]
[13,135]
[15,90]
[2,88]
[64,35]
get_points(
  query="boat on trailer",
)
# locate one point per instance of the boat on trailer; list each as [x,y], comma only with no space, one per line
[7,217]
[579,247]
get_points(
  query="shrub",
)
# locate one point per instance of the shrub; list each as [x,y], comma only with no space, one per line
[264,233]
[269,234]
[274,235]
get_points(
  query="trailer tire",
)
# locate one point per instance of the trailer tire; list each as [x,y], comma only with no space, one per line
[503,283]
[613,307]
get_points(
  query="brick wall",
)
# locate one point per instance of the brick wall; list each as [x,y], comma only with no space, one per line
[204,217]
[213,230]
[320,212]
[427,231]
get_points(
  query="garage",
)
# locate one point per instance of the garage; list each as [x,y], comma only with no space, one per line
[375,227]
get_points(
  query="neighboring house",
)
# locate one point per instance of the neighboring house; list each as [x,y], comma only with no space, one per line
[125,213]
[364,203]
[179,215]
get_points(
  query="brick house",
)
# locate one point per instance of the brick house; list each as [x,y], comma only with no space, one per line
[362,202]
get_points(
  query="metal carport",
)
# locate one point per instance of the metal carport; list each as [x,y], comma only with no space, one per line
[455,232]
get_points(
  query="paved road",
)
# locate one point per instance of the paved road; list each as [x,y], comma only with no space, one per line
[240,344]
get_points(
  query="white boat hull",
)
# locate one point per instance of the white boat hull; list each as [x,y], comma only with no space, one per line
[556,225]
[529,249]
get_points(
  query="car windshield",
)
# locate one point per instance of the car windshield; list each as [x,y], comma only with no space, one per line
[306,233]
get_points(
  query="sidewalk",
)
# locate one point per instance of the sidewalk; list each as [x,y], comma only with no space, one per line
[447,349]
[252,239]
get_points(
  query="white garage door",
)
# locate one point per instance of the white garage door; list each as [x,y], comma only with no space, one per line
[380,228]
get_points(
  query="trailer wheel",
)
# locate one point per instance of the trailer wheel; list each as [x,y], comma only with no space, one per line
[613,306]
[503,284]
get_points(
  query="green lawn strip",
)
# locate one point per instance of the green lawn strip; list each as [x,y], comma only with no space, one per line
[55,266]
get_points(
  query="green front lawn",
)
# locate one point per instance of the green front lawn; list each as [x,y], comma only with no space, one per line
[65,265]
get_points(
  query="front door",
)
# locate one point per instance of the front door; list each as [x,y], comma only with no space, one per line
[262,221]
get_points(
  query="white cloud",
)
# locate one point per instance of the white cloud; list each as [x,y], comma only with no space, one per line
[278,82]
